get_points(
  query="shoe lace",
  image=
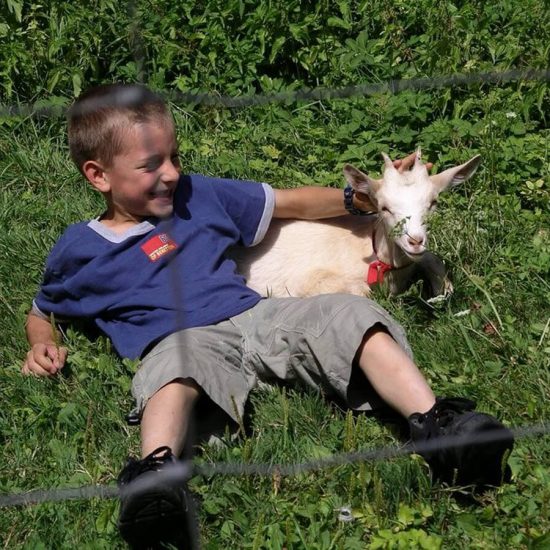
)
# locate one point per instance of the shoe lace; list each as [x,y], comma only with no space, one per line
[152,462]
[447,409]
[434,423]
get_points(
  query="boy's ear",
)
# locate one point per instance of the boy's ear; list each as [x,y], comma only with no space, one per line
[95,174]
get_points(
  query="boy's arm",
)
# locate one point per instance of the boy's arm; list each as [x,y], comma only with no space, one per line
[45,357]
[312,203]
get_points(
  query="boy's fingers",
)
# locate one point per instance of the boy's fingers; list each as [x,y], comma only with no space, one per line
[57,355]
[40,360]
[406,163]
[37,371]
[31,367]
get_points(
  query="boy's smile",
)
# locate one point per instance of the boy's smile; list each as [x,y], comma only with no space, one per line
[141,180]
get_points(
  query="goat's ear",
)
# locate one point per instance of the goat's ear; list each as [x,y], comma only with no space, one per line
[457,174]
[360,181]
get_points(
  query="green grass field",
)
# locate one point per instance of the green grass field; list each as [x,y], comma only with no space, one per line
[489,342]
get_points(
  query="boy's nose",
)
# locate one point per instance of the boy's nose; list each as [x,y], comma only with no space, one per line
[170,172]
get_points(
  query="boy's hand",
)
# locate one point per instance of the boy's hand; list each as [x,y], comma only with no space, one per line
[44,360]
[407,163]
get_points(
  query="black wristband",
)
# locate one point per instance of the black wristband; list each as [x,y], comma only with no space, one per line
[349,192]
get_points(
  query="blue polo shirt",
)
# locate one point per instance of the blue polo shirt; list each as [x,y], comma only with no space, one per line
[160,276]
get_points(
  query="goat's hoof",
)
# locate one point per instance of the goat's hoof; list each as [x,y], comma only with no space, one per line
[445,294]
[448,288]
[437,299]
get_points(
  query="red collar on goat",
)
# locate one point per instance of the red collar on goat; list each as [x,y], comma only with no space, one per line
[375,274]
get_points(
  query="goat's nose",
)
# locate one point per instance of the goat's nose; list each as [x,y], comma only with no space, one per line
[416,240]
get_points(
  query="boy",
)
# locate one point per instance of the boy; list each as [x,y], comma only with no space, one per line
[150,272]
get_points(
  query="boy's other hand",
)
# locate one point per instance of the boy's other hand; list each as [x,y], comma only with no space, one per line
[44,360]
[408,162]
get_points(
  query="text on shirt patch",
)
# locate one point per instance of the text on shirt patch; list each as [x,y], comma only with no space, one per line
[158,246]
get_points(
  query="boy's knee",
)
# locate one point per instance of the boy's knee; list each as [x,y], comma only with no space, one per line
[377,328]
[182,391]
[189,389]
[379,335]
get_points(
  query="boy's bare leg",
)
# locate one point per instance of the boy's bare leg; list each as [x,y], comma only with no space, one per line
[399,382]
[393,374]
[166,416]
[160,512]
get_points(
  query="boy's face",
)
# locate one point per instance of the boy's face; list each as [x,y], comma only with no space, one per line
[142,179]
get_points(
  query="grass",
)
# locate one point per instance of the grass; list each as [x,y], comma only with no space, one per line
[71,431]
[489,342]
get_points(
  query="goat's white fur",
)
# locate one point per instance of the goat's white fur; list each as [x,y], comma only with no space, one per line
[305,258]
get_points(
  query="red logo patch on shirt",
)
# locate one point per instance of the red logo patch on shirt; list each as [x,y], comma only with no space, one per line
[158,246]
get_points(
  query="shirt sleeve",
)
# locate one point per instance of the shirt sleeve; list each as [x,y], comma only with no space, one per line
[267,214]
[35,310]
[53,295]
[249,204]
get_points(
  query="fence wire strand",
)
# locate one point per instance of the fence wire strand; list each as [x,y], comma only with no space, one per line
[184,470]
[365,90]
[392,86]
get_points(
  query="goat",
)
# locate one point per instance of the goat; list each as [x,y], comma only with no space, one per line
[350,254]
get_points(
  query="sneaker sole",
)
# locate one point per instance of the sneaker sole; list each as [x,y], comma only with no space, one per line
[153,520]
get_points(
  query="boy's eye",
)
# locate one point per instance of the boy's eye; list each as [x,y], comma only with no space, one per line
[151,165]
[154,163]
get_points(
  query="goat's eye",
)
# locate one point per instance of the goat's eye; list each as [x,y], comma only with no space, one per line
[384,209]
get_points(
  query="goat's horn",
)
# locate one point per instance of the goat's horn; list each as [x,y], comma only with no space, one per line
[418,156]
[419,166]
[387,161]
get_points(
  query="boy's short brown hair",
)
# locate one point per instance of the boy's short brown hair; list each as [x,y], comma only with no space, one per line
[99,117]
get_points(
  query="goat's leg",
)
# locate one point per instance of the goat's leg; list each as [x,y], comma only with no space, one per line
[401,279]
[433,272]
[430,269]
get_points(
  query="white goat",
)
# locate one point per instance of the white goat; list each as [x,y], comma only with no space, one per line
[351,253]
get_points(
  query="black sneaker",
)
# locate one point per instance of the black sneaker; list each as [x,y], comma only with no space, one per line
[480,461]
[156,510]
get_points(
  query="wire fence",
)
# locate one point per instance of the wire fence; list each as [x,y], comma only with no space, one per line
[321,93]
[187,469]
[184,470]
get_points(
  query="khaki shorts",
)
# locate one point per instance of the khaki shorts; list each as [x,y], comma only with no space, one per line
[308,340]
